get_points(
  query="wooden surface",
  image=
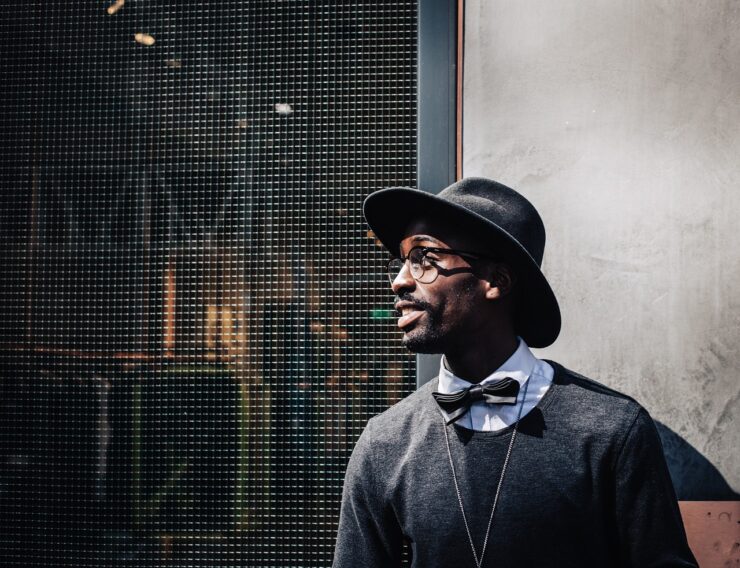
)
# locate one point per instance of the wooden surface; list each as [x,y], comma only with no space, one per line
[713,530]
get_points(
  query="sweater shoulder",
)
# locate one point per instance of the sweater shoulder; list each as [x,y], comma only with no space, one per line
[410,413]
[599,405]
[569,376]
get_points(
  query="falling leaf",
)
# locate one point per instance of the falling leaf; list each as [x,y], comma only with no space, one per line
[284,109]
[117,5]
[144,39]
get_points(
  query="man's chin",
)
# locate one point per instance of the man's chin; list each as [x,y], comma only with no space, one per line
[418,343]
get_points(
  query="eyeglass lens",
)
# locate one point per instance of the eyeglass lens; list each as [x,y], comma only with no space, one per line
[421,270]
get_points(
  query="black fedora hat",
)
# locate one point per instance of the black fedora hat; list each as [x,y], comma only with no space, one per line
[507,226]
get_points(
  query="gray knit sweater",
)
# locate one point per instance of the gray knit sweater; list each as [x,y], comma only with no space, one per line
[587,485]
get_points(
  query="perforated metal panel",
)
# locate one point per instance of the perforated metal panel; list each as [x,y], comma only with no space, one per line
[195,323]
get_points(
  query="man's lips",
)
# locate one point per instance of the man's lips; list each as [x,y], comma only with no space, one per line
[410,312]
[409,317]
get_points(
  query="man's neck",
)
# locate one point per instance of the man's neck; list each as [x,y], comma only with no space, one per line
[477,362]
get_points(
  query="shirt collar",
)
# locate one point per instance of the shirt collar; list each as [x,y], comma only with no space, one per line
[519,367]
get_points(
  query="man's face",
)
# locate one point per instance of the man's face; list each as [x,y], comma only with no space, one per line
[440,316]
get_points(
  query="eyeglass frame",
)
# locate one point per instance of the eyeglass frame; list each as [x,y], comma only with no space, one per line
[468,255]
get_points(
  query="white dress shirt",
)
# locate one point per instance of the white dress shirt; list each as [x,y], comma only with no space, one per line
[522,366]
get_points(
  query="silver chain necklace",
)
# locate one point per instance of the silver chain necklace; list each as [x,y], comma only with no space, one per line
[479,562]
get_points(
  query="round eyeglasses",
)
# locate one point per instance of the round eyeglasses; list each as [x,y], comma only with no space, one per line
[425,268]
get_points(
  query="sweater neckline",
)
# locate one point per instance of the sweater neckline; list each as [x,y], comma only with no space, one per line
[541,405]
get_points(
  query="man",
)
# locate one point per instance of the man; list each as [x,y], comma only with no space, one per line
[503,459]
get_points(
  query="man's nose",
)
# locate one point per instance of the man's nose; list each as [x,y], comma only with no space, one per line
[403,279]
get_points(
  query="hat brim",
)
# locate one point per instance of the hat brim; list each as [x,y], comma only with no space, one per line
[389,212]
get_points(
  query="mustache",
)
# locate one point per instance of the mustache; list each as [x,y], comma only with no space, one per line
[421,304]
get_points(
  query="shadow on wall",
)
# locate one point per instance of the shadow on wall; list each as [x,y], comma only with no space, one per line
[694,477]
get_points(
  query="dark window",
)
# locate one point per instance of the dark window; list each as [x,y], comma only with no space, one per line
[195,324]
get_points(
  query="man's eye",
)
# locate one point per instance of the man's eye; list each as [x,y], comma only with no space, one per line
[429,260]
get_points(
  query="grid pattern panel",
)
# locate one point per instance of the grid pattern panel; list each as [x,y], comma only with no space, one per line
[195,323]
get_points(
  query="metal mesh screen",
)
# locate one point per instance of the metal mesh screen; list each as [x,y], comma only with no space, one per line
[195,323]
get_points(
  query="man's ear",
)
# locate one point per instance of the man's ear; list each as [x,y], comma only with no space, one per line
[502,280]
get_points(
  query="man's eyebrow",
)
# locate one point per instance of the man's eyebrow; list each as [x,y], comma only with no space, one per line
[419,238]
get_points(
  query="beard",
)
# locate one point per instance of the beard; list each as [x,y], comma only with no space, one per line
[435,331]
[424,343]
[426,335]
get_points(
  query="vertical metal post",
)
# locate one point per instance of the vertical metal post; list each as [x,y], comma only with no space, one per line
[437,115]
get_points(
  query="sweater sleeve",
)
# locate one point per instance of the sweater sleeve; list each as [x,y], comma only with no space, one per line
[649,525]
[369,535]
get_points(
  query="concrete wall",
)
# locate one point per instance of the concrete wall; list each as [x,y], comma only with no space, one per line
[620,121]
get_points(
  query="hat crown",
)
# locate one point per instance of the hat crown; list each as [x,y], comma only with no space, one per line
[504,207]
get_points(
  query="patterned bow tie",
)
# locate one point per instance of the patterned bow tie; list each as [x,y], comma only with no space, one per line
[455,404]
